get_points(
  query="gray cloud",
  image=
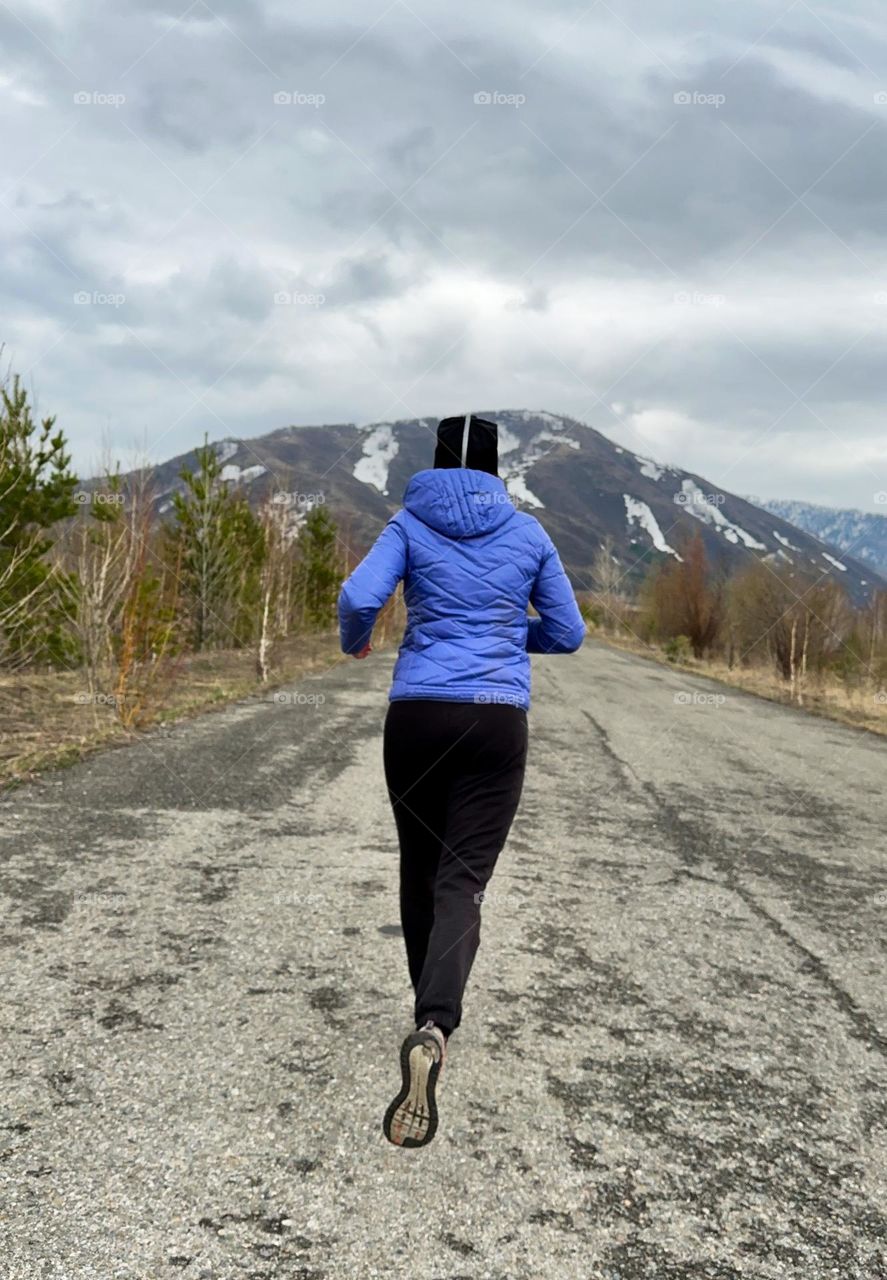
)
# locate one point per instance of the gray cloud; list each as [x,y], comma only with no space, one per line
[674,269]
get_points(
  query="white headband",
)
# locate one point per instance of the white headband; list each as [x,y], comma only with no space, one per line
[466,431]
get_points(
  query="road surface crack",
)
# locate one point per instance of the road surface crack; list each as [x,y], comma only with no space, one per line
[691,841]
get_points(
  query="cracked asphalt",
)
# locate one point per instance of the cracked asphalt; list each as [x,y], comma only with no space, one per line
[673,1062]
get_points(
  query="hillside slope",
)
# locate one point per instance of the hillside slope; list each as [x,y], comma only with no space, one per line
[580,484]
[862,534]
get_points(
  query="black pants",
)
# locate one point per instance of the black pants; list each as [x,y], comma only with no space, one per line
[454,772]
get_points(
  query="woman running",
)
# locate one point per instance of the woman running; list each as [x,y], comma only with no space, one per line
[455,741]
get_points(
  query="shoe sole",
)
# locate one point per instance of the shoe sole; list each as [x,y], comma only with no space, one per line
[411,1119]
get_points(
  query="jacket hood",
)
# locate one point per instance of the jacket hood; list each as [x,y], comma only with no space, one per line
[458,502]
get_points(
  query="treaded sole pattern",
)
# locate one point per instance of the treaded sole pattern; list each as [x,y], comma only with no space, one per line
[419,1069]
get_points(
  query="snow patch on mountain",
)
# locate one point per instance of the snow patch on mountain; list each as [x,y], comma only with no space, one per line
[241,475]
[696,504]
[785,542]
[508,441]
[379,451]
[540,415]
[556,438]
[862,534]
[652,470]
[639,513]
[514,469]
[226,449]
[836,563]
[517,487]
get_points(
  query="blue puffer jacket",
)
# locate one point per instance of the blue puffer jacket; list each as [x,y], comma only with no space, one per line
[470,564]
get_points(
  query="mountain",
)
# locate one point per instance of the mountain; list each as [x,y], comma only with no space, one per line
[581,485]
[860,533]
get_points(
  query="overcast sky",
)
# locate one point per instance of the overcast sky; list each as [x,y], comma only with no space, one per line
[669,222]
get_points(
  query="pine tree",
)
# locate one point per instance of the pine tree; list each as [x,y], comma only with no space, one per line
[218,544]
[319,570]
[36,492]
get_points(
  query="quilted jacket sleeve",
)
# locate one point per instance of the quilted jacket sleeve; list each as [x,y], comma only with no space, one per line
[370,585]
[559,627]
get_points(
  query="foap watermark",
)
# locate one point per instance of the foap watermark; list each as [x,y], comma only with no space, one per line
[83,298]
[881,498]
[880,98]
[285,698]
[881,697]
[87,699]
[693,498]
[693,298]
[297,898]
[692,698]
[284,498]
[91,98]
[283,298]
[87,895]
[285,98]
[493,897]
[83,497]
[497,699]
[494,98]
[695,98]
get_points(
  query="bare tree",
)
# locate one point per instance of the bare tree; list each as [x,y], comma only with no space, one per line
[686,598]
[607,576]
[149,641]
[96,564]
[279,530]
[797,623]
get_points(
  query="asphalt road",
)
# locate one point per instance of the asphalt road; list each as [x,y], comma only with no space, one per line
[673,1061]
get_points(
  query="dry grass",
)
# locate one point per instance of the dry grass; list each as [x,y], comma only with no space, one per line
[46,721]
[864,707]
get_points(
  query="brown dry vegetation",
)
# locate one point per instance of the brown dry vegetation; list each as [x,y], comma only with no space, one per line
[862,704]
[774,631]
[52,719]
